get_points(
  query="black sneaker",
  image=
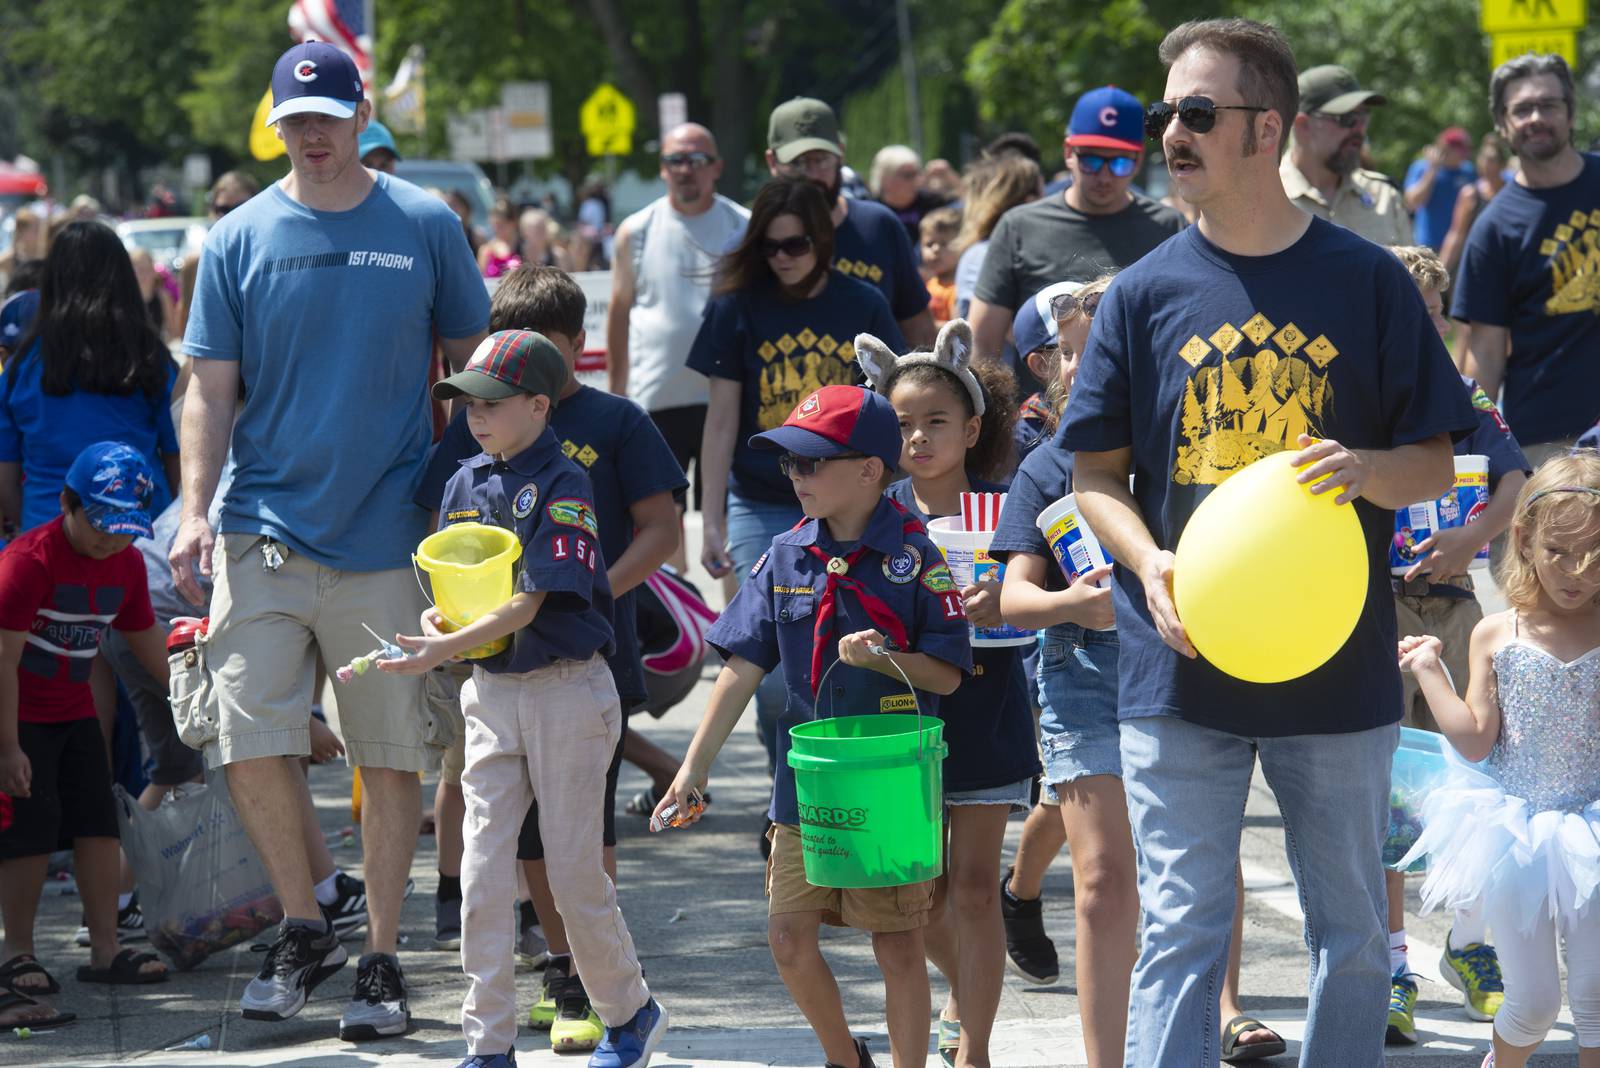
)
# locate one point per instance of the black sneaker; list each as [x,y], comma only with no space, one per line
[862,1056]
[377,1007]
[348,913]
[1028,949]
[298,961]
[130,924]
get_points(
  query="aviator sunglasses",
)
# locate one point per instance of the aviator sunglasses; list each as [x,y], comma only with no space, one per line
[1197,113]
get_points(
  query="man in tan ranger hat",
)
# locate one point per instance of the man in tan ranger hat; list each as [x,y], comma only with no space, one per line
[1322,171]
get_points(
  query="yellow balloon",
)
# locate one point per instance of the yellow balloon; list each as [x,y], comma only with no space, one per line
[264,143]
[1270,578]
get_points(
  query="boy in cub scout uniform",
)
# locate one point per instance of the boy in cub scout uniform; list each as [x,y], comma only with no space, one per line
[859,581]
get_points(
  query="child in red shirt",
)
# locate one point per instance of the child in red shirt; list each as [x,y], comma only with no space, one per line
[61,586]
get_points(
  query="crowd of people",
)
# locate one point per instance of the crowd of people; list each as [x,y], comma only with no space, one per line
[837,371]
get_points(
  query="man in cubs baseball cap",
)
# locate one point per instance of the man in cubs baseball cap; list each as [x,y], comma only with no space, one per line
[114,483]
[836,421]
[510,362]
[317,77]
[1107,117]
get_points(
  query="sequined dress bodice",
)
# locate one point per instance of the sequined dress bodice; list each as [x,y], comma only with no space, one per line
[1548,752]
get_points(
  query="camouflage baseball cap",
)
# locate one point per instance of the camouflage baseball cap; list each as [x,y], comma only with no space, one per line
[802,125]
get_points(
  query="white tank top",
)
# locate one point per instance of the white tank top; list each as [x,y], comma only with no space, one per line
[674,257]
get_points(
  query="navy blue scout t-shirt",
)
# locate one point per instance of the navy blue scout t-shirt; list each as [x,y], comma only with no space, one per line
[1202,362]
[872,245]
[772,621]
[546,501]
[782,351]
[988,721]
[1532,265]
[1043,479]
[619,448]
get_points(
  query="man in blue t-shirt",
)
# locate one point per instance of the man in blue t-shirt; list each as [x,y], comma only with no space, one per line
[1432,183]
[869,241]
[1258,330]
[318,302]
[1526,286]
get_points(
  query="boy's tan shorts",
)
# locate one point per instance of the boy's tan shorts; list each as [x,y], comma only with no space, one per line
[443,689]
[1450,619]
[883,909]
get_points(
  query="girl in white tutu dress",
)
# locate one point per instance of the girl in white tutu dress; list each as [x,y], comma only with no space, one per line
[1520,832]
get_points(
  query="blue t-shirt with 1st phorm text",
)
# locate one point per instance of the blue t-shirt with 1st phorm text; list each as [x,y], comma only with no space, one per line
[331,317]
[1201,362]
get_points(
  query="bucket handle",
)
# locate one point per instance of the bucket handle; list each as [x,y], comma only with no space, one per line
[876,650]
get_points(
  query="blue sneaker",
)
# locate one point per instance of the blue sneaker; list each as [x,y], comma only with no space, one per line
[630,1045]
[508,1059]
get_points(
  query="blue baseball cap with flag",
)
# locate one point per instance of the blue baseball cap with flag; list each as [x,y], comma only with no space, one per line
[315,76]
[115,484]
[1107,117]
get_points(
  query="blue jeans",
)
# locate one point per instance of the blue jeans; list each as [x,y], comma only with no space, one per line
[1186,788]
[1078,706]
[751,527]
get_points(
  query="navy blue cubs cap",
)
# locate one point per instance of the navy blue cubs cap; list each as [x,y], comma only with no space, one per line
[315,76]
[115,484]
[1107,117]
[836,420]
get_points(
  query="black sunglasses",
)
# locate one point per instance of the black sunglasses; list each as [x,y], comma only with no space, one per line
[1198,113]
[789,246]
[1121,166]
[794,466]
[688,159]
[1348,121]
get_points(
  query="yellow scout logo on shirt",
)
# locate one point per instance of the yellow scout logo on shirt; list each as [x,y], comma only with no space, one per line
[573,512]
[1249,404]
[1574,265]
[584,454]
[937,579]
[794,367]
[526,500]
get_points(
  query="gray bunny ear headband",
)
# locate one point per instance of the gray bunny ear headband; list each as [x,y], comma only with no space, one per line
[952,351]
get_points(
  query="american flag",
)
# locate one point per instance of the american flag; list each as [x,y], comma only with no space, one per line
[343,23]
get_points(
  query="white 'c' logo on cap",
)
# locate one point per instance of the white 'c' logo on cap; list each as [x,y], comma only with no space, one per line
[1108,114]
[305,71]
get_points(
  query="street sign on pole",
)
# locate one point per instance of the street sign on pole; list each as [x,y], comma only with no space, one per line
[1563,43]
[672,109]
[527,118]
[1514,16]
[607,119]
[469,136]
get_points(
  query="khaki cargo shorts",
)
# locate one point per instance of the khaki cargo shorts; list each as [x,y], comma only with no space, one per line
[1450,619]
[884,909]
[443,688]
[266,629]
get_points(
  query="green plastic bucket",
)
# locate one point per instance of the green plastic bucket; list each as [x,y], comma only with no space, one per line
[870,796]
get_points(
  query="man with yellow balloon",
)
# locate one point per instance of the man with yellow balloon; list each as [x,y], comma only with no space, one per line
[1275,388]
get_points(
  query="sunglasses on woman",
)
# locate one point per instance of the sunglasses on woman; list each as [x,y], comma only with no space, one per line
[789,246]
[1121,166]
[1197,113]
[794,466]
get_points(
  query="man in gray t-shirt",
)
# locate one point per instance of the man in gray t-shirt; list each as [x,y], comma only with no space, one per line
[1097,225]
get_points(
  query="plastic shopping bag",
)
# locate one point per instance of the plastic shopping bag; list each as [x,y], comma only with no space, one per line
[1419,765]
[201,885]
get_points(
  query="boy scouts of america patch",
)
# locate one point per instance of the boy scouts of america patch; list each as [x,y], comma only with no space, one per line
[810,406]
[574,512]
[526,501]
[903,566]
[937,579]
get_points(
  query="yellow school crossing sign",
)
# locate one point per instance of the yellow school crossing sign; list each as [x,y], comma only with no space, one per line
[1519,26]
[607,120]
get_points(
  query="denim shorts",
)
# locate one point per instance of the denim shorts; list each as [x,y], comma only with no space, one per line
[1078,711]
[1017,794]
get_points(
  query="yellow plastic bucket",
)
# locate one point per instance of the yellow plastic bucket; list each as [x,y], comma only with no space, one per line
[473,573]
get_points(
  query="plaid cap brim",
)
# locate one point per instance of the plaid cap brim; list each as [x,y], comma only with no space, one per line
[474,383]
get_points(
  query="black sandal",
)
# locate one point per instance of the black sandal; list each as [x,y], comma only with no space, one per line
[27,964]
[1236,1052]
[10,999]
[124,971]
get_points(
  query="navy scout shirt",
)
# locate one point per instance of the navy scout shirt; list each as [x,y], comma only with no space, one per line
[545,499]
[771,622]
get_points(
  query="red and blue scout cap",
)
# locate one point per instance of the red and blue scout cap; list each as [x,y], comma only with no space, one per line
[836,420]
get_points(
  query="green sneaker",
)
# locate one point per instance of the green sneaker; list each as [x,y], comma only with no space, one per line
[1402,1004]
[576,1025]
[1475,971]
[543,1013]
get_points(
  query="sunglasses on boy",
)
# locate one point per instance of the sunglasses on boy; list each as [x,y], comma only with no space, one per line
[1121,166]
[1198,113]
[789,246]
[794,466]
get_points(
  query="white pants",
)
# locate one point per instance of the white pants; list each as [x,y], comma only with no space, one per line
[1532,975]
[547,734]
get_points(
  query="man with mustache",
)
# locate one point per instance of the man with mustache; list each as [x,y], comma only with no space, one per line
[1322,172]
[1527,286]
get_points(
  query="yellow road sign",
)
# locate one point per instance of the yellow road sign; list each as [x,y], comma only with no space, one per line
[264,143]
[1512,16]
[607,120]
[1506,46]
